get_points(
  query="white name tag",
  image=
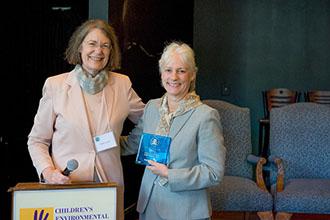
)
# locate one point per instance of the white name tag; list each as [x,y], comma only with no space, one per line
[105,141]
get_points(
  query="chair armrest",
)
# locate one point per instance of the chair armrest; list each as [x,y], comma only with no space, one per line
[280,172]
[259,161]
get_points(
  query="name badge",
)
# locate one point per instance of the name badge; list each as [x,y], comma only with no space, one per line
[105,141]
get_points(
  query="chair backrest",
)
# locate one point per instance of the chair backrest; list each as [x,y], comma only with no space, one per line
[300,135]
[236,125]
[317,96]
[278,97]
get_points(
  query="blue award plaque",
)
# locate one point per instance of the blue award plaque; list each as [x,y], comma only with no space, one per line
[153,147]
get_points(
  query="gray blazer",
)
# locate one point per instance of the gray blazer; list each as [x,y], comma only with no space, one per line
[196,162]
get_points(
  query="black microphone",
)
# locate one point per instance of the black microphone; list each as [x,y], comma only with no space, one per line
[70,166]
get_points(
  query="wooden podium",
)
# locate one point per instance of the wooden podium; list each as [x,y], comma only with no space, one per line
[39,201]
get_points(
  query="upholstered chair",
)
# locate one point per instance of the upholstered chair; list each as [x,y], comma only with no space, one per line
[239,192]
[273,98]
[300,150]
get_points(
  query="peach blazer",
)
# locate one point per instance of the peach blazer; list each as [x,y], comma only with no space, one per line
[61,124]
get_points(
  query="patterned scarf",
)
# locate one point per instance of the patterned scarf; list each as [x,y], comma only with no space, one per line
[90,84]
[190,101]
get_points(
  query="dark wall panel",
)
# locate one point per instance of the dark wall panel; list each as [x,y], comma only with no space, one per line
[249,46]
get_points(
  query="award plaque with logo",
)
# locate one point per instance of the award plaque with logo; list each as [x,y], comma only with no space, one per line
[153,147]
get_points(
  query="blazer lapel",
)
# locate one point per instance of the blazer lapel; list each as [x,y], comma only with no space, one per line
[109,94]
[78,108]
[179,122]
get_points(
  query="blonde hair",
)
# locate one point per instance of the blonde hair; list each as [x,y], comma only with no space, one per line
[187,55]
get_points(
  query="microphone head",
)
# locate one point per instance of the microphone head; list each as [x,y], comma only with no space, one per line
[72,164]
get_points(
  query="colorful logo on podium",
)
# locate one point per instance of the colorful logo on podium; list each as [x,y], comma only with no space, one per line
[36,214]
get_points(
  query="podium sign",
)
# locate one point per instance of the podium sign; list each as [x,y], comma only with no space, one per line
[37,201]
